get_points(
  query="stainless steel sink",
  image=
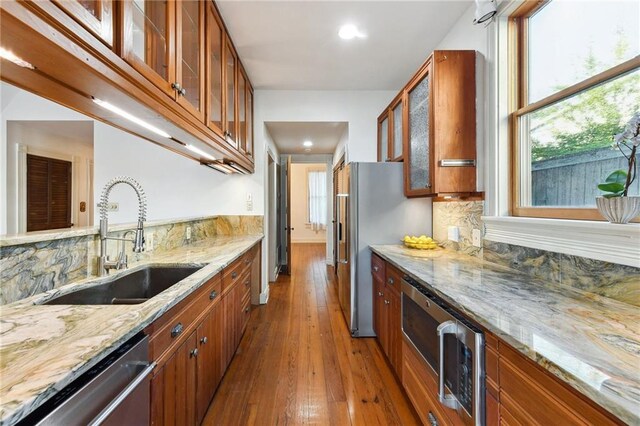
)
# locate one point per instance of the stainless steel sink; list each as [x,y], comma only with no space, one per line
[136,287]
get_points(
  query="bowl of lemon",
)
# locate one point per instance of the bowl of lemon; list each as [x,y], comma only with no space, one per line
[421,243]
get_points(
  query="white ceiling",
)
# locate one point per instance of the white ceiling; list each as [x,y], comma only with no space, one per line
[289,136]
[294,45]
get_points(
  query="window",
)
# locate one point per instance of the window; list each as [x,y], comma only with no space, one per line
[317,199]
[575,71]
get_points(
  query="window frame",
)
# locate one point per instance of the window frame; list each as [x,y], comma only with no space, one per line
[518,106]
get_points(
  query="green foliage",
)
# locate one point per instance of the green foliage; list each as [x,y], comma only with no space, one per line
[614,184]
[589,120]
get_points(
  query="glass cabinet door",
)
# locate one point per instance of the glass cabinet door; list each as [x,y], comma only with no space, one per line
[383,137]
[249,120]
[214,79]
[242,114]
[397,136]
[230,85]
[419,167]
[94,15]
[148,40]
[190,56]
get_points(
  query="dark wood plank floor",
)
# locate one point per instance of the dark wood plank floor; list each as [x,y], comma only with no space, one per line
[297,363]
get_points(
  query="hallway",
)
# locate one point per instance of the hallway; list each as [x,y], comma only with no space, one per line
[297,363]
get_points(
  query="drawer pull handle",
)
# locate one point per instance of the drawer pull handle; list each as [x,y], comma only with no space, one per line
[234,275]
[247,261]
[391,281]
[194,352]
[246,310]
[204,340]
[380,294]
[247,282]
[386,302]
[213,295]
[432,419]
[177,330]
[376,268]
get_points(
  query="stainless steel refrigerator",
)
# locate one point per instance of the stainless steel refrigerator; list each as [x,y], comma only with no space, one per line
[370,209]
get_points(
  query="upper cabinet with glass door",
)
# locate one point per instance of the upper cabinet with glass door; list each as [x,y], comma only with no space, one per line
[440,114]
[190,25]
[231,94]
[390,131]
[95,15]
[215,72]
[148,40]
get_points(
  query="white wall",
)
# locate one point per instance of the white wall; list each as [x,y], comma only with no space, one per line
[302,232]
[359,108]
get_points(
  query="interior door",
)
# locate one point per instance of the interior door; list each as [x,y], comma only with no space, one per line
[288,227]
[48,193]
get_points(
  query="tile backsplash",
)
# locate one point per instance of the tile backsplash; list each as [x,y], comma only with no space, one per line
[30,268]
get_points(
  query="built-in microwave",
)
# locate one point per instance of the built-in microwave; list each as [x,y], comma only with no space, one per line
[453,348]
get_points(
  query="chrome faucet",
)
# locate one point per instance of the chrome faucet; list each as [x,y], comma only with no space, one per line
[104,263]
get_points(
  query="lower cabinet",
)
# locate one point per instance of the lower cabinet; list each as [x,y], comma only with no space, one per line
[387,315]
[173,387]
[194,343]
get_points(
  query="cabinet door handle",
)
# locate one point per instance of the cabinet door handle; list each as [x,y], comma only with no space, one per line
[234,275]
[380,294]
[177,330]
[194,352]
[391,281]
[176,86]
[246,310]
[247,261]
[204,340]
[376,268]
[432,419]
[386,302]
[247,283]
[213,295]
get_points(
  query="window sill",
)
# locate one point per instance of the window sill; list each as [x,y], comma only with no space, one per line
[604,241]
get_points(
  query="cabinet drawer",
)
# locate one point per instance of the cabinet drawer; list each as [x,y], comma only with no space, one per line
[394,278]
[173,326]
[491,366]
[378,267]
[234,273]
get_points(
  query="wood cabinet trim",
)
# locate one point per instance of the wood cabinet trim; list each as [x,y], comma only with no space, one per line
[398,100]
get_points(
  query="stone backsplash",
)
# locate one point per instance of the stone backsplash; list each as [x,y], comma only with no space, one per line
[619,282]
[467,216]
[30,268]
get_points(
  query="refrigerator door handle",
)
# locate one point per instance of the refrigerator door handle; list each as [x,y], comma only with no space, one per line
[342,197]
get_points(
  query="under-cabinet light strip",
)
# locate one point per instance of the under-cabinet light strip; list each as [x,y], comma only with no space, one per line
[131,117]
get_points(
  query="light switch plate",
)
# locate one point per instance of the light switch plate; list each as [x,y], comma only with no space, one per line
[149,241]
[454,233]
[476,237]
[188,233]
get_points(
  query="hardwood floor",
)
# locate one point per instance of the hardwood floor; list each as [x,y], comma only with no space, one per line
[297,363]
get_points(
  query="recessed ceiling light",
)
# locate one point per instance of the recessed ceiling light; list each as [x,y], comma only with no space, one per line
[307,143]
[350,31]
[9,56]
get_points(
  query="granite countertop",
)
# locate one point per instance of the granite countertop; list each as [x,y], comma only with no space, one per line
[44,348]
[590,342]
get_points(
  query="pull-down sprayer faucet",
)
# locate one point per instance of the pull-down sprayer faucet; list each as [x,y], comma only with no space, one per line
[104,264]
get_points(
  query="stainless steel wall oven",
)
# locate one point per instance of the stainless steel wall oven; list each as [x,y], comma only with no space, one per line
[451,345]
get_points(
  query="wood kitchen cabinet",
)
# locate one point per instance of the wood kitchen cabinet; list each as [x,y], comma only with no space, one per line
[171,63]
[97,16]
[440,139]
[386,313]
[164,41]
[391,131]
[173,386]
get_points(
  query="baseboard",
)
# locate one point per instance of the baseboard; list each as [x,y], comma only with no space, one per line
[308,242]
[264,296]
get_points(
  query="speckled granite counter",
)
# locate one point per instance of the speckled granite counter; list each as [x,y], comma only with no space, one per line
[44,348]
[588,341]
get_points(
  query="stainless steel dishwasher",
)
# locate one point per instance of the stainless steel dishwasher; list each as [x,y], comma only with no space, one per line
[114,392]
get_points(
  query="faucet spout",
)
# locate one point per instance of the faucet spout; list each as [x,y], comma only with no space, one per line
[104,264]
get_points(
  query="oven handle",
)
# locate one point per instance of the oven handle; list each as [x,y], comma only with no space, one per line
[448,400]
